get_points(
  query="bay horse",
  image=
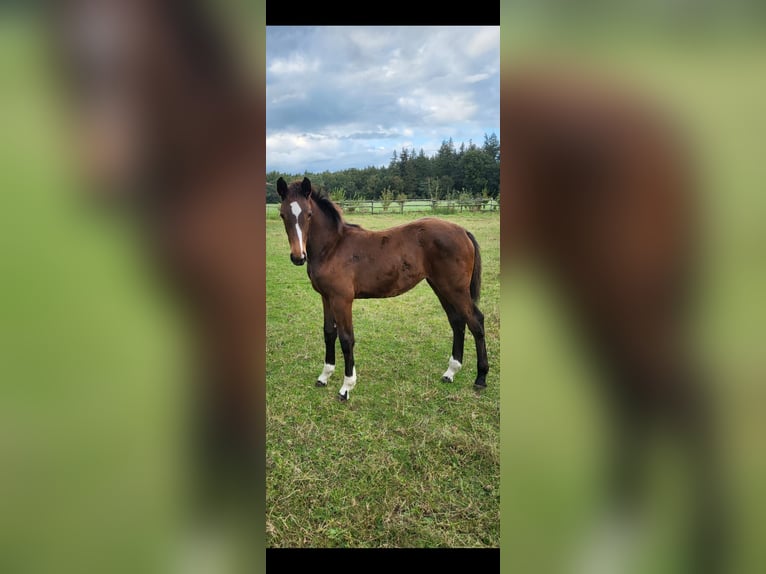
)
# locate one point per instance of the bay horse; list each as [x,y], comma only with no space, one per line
[599,186]
[168,125]
[346,262]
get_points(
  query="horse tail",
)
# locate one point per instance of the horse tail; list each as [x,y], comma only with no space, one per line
[476,275]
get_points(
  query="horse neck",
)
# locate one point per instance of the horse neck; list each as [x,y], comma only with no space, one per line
[192,132]
[202,114]
[323,236]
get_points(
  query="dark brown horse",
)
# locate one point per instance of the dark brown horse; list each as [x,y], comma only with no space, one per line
[346,262]
[600,187]
[171,133]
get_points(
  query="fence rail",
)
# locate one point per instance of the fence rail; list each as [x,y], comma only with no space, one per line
[410,206]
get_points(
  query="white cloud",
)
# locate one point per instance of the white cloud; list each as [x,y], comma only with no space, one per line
[484,40]
[472,79]
[443,108]
[339,96]
[293,64]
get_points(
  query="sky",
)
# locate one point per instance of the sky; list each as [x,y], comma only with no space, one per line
[348,97]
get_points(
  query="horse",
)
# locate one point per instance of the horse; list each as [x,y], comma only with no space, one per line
[169,132]
[346,262]
[599,188]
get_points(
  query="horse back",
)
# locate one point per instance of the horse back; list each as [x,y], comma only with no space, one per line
[599,183]
[389,262]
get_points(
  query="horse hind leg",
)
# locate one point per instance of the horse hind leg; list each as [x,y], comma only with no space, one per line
[475,324]
[457,322]
[472,317]
[662,388]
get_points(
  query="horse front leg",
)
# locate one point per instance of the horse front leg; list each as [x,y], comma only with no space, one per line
[342,313]
[330,336]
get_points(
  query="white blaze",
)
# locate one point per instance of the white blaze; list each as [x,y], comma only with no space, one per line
[454,367]
[296,209]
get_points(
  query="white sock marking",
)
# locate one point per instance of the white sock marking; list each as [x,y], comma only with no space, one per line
[612,545]
[327,372]
[454,367]
[348,383]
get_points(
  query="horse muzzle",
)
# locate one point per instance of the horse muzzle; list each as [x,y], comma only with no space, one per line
[298,260]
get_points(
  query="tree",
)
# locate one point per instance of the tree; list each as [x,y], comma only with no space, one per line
[387,196]
[468,168]
[492,146]
[476,166]
[409,174]
[445,162]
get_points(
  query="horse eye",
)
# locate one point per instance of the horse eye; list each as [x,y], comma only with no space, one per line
[282,215]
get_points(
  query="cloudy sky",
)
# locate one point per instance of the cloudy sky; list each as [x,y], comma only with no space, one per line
[342,97]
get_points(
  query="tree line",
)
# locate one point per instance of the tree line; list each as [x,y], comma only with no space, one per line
[464,171]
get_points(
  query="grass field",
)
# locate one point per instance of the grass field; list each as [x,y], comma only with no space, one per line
[553,430]
[88,415]
[409,461]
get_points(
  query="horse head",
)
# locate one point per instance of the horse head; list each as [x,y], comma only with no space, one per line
[296,211]
[147,82]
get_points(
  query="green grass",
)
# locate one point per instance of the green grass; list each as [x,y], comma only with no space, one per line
[409,461]
[553,430]
[89,400]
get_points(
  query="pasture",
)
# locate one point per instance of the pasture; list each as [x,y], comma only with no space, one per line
[553,426]
[89,408]
[409,461]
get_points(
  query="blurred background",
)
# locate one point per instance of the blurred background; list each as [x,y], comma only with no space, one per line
[705,62]
[93,365]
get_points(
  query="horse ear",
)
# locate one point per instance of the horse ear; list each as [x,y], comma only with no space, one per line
[306,186]
[281,187]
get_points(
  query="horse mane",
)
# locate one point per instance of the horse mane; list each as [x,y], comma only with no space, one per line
[200,35]
[330,209]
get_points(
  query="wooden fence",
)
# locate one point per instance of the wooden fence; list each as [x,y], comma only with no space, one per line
[376,207]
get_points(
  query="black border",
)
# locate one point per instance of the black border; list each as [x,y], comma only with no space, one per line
[401,560]
[421,13]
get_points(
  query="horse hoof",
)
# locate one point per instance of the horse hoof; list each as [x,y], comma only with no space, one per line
[320,383]
[446,379]
[479,386]
[343,397]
